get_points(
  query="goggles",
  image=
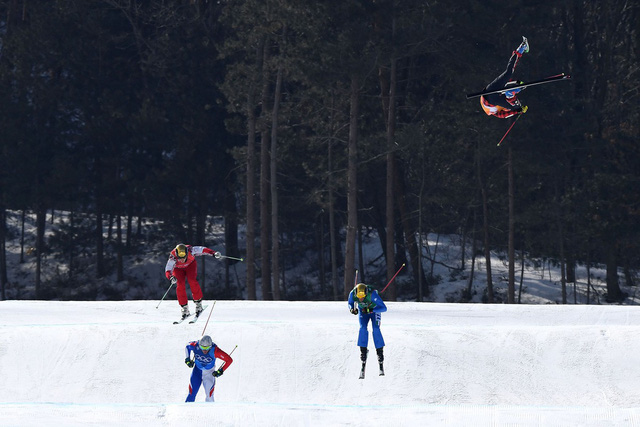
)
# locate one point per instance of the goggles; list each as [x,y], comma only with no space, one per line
[205,348]
[361,294]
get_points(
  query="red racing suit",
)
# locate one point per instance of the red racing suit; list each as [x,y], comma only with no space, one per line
[186,270]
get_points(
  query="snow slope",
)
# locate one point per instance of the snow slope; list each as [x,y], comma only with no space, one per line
[296,364]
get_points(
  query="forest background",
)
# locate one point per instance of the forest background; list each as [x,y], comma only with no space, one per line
[309,124]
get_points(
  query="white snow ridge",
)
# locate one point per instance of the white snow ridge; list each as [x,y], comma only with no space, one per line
[297,364]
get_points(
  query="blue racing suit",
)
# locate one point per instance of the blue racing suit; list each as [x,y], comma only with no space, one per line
[205,365]
[369,309]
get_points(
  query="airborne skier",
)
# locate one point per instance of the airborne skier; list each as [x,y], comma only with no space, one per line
[182,266]
[504,105]
[365,301]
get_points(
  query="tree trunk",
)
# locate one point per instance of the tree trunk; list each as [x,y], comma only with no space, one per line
[333,241]
[469,295]
[512,229]
[275,239]
[3,253]
[352,188]
[614,294]
[485,227]
[41,215]
[563,277]
[265,218]
[251,183]
[119,246]
[410,229]
[99,242]
[22,221]
[391,187]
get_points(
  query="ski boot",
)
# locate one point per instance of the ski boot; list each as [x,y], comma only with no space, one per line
[524,46]
[380,360]
[185,311]
[363,354]
[198,307]
[363,358]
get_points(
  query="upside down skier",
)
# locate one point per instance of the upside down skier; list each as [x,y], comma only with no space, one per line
[504,105]
[205,353]
[365,301]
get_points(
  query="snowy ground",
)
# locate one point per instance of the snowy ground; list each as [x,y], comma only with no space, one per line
[296,364]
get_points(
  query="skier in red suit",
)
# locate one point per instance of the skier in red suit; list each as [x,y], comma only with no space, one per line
[503,105]
[182,265]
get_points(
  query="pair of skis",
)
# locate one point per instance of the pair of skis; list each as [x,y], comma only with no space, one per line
[364,365]
[556,78]
[195,318]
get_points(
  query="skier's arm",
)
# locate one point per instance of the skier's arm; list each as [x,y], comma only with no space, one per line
[202,250]
[188,349]
[380,305]
[219,354]
[350,301]
[168,269]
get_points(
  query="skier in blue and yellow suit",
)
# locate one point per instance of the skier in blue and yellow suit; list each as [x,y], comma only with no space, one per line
[370,306]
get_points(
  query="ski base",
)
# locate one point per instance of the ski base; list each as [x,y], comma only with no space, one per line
[195,318]
[181,320]
[556,78]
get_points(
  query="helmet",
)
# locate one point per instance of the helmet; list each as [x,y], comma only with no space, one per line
[181,250]
[361,290]
[205,343]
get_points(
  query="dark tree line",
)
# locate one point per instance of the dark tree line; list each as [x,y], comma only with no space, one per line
[313,123]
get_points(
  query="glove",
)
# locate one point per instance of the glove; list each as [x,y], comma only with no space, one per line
[173,280]
[524,109]
[367,310]
[189,362]
[354,310]
[218,373]
[218,255]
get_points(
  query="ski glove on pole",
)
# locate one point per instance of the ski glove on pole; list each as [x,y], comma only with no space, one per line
[173,280]
[218,373]
[189,362]
[367,310]
[218,255]
[354,310]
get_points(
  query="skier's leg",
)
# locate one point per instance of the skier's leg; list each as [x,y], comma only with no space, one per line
[378,341]
[363,333]
[192,277]
[194,384]
[208,383]
[363,353]
[503,78]
[181,289]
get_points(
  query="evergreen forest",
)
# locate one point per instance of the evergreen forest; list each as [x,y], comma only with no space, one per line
[308,123]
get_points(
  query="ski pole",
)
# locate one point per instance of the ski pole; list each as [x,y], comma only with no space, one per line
[508,130]
[205,325]
[224,363]
[165,294]
[229,257]
[394,276]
